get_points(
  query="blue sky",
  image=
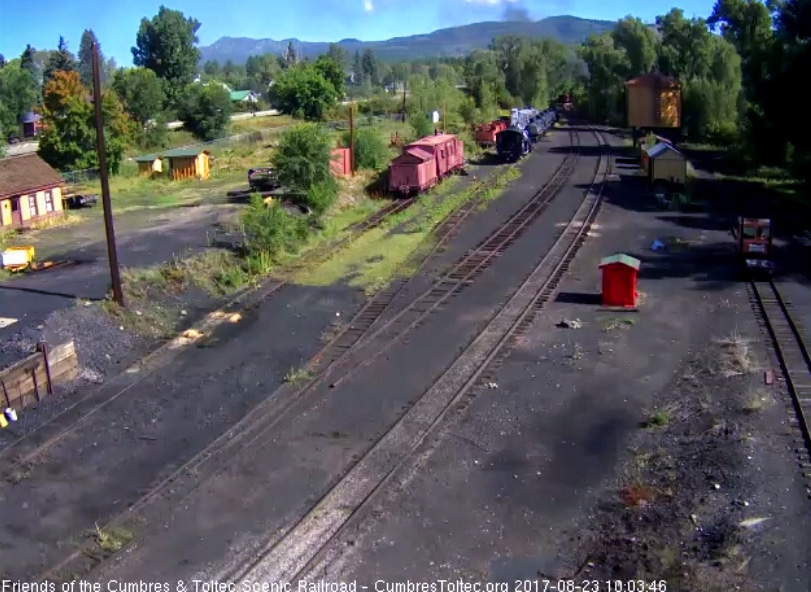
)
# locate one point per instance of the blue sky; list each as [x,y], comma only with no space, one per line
[115,23]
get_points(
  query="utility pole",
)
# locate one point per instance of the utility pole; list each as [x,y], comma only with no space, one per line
[444,118]
[112,253]
[352,138]
[405,84]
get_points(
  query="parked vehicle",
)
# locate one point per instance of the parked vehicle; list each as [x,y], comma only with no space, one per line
[263,179]
[75,202]
[755,244]
[513,144]
[425,163]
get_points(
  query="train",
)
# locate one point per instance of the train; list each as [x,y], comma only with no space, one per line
[516,141]
[425,162]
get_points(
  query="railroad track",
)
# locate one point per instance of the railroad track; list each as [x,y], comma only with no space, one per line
[791,348]
[306,547]
[83,412]
[261,420]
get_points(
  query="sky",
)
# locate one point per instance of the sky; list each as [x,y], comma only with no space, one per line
[115,23]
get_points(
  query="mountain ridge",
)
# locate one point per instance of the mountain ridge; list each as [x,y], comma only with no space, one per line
[447,42]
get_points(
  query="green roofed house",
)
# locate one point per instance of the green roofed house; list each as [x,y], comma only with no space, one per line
[244,96]
[149,165]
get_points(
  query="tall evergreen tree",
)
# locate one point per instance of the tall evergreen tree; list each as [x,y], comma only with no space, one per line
[86,60]
[290,56]
[27,61]
[2,61]
[60,60]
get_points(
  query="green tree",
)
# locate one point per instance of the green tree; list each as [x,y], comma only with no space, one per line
[61,60]
[357,69]
[205,110]
[166,44]
[86,60]
[639,42]
[2,61]
[212,68]
[18,94]
[606,64]
[302,159]
[303,91]
[339,55]
[291,58]
[369,67]
[261,71]
[332,73]
[69,139]
[141,93]
[27,61]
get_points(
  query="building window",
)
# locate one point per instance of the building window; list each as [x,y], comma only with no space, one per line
[32,205]
[49,202]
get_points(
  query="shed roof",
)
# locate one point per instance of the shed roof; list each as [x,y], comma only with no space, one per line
[147,157]
[621,258]
[184,152]
[654,78]
[660,148]
[22,174]
[30,117]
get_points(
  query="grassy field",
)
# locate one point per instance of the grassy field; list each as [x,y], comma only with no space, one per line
[378,257]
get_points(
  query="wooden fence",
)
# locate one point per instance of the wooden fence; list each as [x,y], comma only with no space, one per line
[27,381]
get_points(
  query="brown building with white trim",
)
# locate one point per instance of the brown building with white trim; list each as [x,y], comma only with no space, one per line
[30,191]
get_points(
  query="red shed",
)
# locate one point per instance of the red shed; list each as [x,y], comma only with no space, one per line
[619,280]
[340,162]
[447,149]
[413,170]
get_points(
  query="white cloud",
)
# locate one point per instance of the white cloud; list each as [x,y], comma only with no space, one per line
[368,6]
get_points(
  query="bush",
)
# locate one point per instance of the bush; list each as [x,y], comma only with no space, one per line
[370,150]
[421,124]
[321,196]
[302,159]
[270,229]
[381,105]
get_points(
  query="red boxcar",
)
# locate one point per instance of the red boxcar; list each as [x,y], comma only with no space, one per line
[424,162]
[414,170]
[448,151]
[486,132]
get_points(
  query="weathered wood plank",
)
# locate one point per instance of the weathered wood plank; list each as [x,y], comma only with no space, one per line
[20,379]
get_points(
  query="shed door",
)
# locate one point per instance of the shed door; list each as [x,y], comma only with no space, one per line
[16,215]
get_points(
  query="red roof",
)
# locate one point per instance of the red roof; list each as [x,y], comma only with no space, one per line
[434,140]
[417,153]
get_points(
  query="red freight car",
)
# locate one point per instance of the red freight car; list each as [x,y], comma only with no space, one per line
[486,132]
[414,170]
[424,162]
[448,151]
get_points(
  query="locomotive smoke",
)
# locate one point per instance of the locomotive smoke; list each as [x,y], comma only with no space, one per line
[514,13]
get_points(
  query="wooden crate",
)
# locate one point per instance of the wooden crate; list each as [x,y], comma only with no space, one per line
[27,381]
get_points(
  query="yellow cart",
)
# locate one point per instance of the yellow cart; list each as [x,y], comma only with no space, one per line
[17,258]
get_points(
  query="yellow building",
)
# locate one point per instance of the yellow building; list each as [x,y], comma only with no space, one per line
[666,164]
[188,163]
[149,165]
[30,191]
[653,101]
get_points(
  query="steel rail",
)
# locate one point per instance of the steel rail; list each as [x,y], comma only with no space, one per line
[288,555]
[255,419]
